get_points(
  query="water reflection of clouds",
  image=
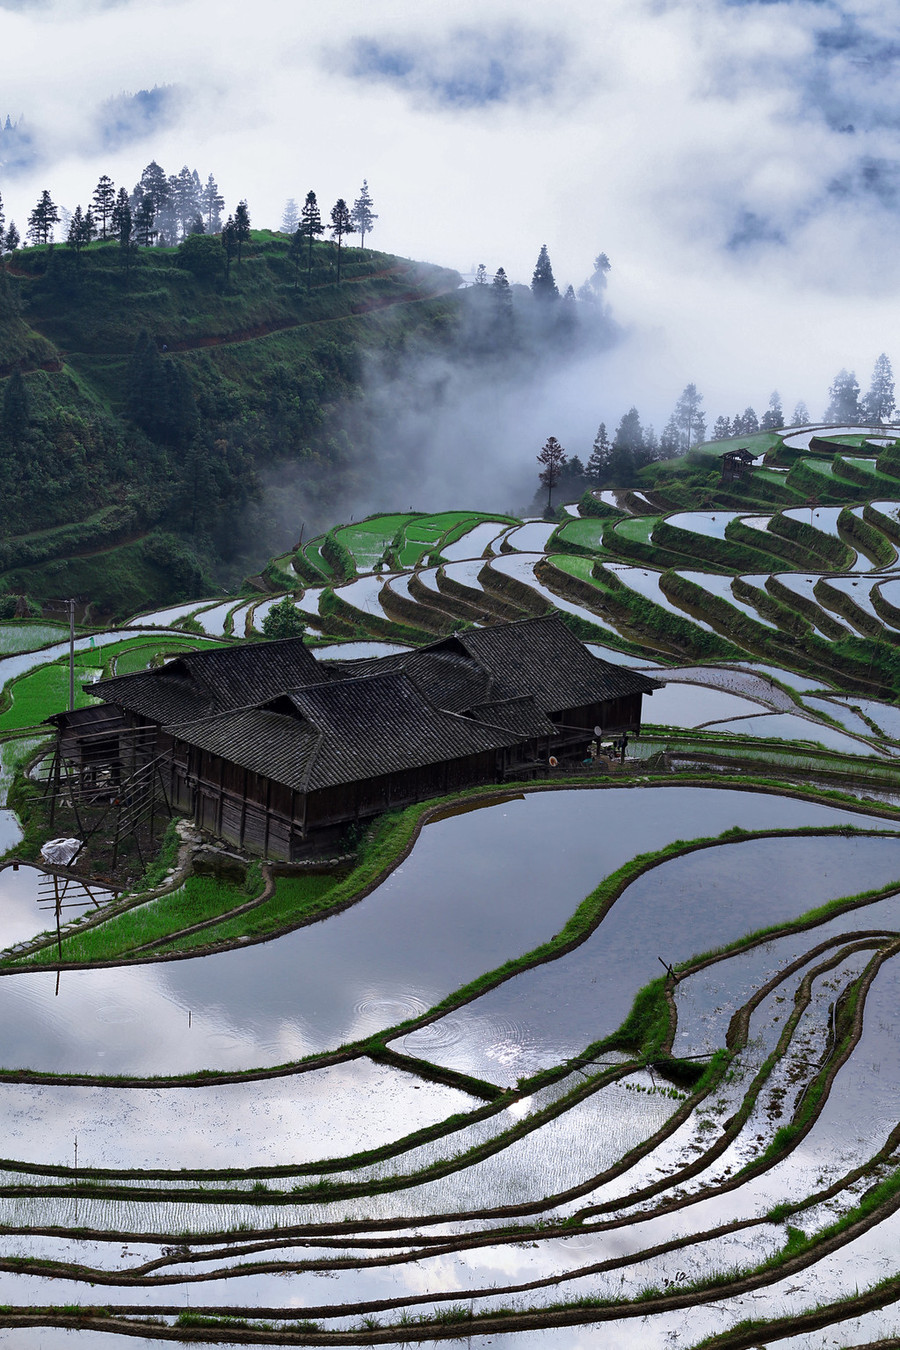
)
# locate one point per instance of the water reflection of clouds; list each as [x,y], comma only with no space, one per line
[473,885]
[307,1117]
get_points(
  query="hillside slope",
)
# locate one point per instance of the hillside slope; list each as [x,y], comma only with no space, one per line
[141,404]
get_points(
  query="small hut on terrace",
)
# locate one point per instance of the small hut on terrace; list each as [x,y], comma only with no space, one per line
[736,463]
[270,749]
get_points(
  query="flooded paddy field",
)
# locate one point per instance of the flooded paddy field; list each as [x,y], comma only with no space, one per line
[538,1161]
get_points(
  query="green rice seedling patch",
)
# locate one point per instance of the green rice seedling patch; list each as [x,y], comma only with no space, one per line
[368,540]
[27,637]
[423,534]
[585,533]
[639,528]
[41,693]
[821,466]
[575,566]
[144,654]
[199,899]
[313,556]
[296,900]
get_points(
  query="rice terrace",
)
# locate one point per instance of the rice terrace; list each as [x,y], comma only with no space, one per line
[600,1052]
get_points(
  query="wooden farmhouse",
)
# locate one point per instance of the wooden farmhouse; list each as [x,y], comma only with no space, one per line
[270,749]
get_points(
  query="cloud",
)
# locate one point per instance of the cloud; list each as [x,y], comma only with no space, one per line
[468,68]
[737,161]
[753,229]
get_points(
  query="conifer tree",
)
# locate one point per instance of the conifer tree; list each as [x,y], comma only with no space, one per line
[42,219]
[362,216]
[241,226]
[341,224]
[81,229]
[211,202]
[553,458]
[773,418]
[543,286]
[601,452]
[290,216]
[2,218]
[12,241]
[144,220]
[155,184]
[844,399]
[311,225]
[879,402]
[185,200]
[104,204]
[689,417]
[801,414]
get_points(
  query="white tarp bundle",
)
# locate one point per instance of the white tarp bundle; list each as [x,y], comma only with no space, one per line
[60,851]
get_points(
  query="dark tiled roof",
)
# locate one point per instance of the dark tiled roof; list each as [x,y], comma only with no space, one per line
[342,732]
[519,715]
[268,742]
[542,658]
[197,684]
[538,658]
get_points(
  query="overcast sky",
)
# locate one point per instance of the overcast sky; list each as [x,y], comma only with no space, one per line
[738,161]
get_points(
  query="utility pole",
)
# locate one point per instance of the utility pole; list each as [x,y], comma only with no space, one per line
[71,604]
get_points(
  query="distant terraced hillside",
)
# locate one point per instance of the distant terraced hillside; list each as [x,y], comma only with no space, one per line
[808,581]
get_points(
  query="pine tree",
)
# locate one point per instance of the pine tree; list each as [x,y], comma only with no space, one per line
[773,417]
[362,216]
[81,229]
[543,286]
[670,440]
[144,220]
[2,219]
[211,202]
[721,429]
[481,276]
[241,226]
[689,417]
[311,225]
[12,241]
[801,415]
[598,462]
[290,216]
[185,200]
[104,201]
[880,402]
[844,399]
[749,423]
[42,219]
[155,184]
[553,457]
[341,224]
